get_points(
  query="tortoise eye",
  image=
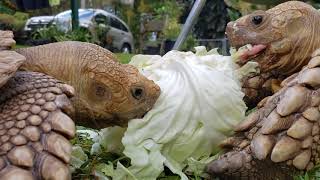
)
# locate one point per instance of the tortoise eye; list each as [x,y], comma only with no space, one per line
[257,19]
[137,93]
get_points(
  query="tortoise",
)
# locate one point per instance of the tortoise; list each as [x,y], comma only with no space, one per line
[283,40]
[36,108]
[108,92]
[282,136]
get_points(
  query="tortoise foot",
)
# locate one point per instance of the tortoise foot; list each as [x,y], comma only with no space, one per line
[282,137]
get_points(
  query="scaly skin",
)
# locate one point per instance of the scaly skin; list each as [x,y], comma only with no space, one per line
[35,128]
[107,92]
[282,137]
[290,32]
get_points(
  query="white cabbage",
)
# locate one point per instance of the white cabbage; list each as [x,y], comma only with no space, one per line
[200,102]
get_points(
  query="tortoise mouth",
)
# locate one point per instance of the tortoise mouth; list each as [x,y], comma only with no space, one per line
[249,52]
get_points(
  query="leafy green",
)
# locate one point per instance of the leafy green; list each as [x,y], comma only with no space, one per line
[86,164]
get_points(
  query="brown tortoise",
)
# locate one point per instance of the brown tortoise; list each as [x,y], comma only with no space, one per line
[282,136]
[283,40]
[34,107]
[108,92]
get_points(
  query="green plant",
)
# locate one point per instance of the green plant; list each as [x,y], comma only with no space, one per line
[233,14]
[75,35]
[170,8]
[190,43]
[313,174]
[172,11]
[53,34]
[14,22]
[98,36]
[6,8]
[124,58]
[97,162]
[48,33]
[172,29]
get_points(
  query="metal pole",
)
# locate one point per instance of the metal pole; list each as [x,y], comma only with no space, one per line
[75,14]
[192,17]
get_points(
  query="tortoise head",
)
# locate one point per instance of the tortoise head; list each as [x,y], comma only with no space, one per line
[283,37]
[114,93]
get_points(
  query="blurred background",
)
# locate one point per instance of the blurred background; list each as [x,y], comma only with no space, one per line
[125,26]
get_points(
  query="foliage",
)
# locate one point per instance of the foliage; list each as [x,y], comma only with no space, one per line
[213,20]
[167,8]
[97,162]
[233,14]
[5,7]
[13,22]
[172,29]
[245,7]
[189,43]
[6,21]
[124,58]
[132,17]
[172,11]
[75,35]
[158,9]
[313,174]
[53,34]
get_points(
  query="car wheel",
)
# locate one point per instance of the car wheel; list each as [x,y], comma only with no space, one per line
[126,48]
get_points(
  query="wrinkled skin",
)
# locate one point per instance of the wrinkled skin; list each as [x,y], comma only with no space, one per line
[285,37]
[107,92]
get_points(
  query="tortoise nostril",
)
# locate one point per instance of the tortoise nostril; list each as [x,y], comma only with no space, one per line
[137,93]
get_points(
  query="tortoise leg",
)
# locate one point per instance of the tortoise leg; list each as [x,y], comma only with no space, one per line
[256,88]
[282,137]
[35,128]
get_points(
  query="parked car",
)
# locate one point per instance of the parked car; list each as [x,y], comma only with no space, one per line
[118,36]
[36,23]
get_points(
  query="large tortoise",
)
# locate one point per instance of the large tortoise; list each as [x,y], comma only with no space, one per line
[283,40]
[34,107]
[282,137]
[107,92]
